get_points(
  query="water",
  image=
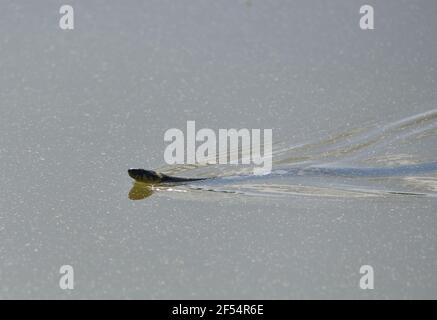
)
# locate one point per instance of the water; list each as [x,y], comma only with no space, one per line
[81,107]
[323,168]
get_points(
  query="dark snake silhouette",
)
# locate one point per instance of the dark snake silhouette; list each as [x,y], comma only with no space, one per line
[145,179]
[153,177]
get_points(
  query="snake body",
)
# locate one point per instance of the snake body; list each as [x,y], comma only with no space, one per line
[153,177]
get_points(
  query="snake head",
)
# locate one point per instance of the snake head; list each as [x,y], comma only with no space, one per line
[145,176]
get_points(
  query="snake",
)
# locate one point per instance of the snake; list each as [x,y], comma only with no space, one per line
[155,178]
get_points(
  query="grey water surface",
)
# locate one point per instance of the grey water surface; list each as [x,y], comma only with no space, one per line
[79,107]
